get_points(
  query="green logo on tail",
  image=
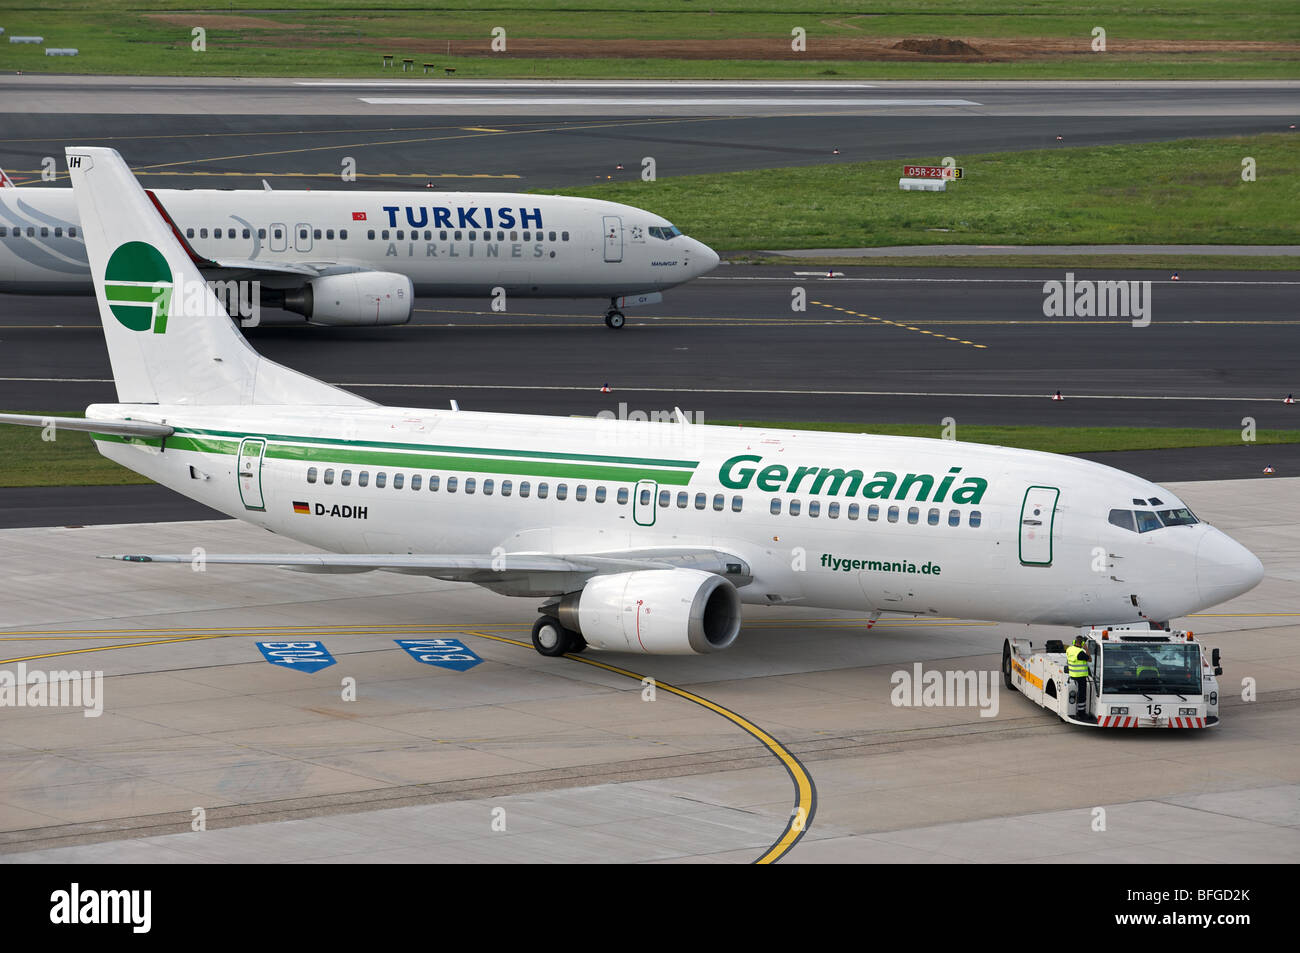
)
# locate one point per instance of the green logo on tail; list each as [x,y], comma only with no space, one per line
[138,285]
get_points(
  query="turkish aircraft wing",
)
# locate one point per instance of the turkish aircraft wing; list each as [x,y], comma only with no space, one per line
[247,266]
[244,266]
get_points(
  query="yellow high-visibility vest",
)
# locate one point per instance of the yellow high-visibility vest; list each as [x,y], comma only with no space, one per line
[1076,666]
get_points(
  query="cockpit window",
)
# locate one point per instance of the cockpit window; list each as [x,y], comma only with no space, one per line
[1123,519]
[1147,521]
[1144,521]
[664,232]
[1177,517]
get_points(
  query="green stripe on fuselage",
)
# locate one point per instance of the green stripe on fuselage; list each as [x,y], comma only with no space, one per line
[438,448]
[420,459]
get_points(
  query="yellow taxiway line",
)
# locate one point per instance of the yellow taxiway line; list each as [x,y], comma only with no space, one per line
[805,801]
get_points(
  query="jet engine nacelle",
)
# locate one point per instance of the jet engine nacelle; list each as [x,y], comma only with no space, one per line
[655,612]
[355,299]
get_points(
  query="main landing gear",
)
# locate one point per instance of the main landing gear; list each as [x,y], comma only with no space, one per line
[553,640]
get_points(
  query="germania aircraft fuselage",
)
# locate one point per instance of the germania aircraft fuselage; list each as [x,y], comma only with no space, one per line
[447,243]
[857,522]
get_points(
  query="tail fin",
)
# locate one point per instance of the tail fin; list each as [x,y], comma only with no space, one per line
[169,339]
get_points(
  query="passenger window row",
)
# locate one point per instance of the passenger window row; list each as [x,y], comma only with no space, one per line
[400,235]
[524,488]
[701,500]
[328,233]
[487,485]
[853,511]
[44,230]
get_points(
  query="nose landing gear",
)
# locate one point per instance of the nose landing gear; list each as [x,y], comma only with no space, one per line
[614,319]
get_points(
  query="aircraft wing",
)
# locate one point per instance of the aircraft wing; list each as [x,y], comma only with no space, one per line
[241,266]
[121,428]
[248,265]
[509,573]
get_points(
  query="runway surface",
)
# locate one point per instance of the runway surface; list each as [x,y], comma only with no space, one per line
[877,345]
[787,747]
[162,96]
[391,152]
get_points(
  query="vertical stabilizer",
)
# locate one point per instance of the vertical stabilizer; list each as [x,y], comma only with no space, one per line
[169,339]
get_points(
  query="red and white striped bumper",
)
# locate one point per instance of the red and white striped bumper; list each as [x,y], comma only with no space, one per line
[1133,721]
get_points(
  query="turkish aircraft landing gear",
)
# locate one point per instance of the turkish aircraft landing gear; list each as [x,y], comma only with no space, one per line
[614,319]
[553,640]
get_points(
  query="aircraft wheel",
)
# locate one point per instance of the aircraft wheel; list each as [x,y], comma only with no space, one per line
[1006,665]
[550,638]
[615,320]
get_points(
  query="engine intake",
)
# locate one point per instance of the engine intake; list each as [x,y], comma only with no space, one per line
[361,298]
[655,612]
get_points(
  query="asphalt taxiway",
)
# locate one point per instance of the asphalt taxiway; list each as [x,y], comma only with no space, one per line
[874,345]
[786,747]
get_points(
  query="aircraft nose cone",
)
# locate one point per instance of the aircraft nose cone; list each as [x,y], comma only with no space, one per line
[1224,568]
[706,258]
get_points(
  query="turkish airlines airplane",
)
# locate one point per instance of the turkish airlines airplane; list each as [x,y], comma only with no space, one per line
[359,258]
[636,536]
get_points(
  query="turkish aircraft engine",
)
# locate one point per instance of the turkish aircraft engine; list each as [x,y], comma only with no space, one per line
[353,300]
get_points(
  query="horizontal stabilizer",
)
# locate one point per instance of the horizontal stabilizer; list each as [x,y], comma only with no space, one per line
[119,428]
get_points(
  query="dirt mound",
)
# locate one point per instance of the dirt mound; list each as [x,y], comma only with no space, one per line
[937,47]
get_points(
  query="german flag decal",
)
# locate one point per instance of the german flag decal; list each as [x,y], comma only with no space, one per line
[299,507]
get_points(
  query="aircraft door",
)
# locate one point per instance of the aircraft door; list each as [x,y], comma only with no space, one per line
[249,464]
[613,238]
[302,237]
[279,236]
[643,502]
[1037,521]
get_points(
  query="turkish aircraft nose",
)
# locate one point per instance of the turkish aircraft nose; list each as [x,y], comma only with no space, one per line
[1224,568]
[703,258]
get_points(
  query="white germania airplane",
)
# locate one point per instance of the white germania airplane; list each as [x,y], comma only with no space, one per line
[638,537]
[359,258]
